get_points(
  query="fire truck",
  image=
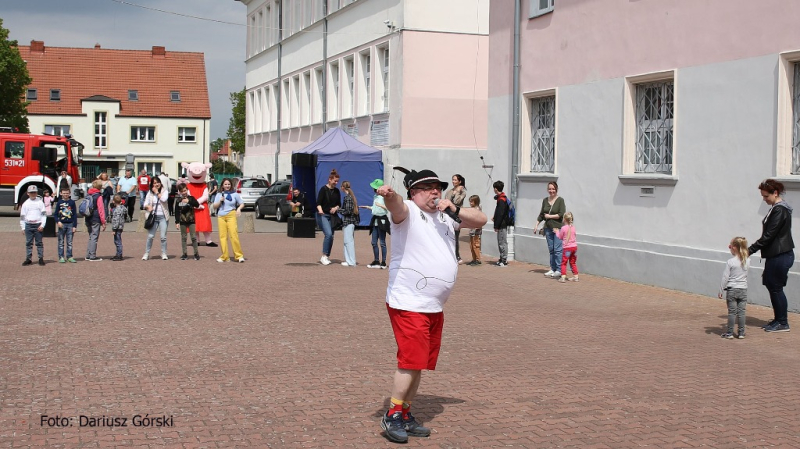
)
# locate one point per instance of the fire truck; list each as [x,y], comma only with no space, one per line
[31,159]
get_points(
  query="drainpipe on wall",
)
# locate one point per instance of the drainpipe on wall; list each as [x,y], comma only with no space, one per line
[515,106]
[324,67]
[280,86]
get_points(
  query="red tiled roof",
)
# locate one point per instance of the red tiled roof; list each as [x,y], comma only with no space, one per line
[81,73]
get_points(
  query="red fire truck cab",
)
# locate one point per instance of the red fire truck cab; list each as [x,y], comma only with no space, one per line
[30,159]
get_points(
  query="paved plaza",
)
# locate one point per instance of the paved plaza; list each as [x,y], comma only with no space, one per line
[283,352]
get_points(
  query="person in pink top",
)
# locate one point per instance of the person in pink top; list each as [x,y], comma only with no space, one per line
[568,236]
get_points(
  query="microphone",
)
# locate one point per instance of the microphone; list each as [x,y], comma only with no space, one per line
[449,212]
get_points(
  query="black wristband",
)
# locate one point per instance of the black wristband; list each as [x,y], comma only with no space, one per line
[458,209]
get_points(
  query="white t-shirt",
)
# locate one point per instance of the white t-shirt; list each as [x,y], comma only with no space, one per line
[423,268]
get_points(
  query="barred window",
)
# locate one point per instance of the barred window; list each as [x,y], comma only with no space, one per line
[654,127]
[796,120]
[543,134]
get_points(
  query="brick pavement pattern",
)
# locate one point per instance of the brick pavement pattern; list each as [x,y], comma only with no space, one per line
[283,352]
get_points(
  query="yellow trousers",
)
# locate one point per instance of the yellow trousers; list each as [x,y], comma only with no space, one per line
[228,227]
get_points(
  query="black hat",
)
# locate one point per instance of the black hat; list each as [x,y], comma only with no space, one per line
[422,177]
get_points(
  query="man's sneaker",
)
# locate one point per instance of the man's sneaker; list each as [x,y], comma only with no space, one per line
[146,256]
[324,260]
[72,260]
[549,274]
[778,327]
[41,261]
[62,260]
[184,257]
[27,262]
[197,257]
[394,427]
[770,324]
[383,266]
[413,428]
[94,259]
[556,274]
[727,335]
[374,264]
[501,263]
[164,256]
[740,335]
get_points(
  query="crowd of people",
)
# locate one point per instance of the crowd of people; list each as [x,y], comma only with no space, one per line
[425,259]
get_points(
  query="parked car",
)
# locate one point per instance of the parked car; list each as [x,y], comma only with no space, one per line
[250,189]
[274,202]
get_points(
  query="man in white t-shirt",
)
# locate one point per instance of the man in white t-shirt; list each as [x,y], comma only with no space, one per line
[422,273]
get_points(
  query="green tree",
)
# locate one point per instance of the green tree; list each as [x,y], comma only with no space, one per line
[237,123]
[220,166]
[14,80]
[217,144]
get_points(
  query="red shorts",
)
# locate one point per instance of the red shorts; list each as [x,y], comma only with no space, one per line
[418,336]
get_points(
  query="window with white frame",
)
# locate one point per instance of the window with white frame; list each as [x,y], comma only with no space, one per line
[543,134]
[187,134]
[316,101]
[349,94]
[540,7]
[295,98]
[56,130]
[654,109]
[796,119]
[383,52]
[308,13]
[273,106]
[143,133]
[305,96]
[286,108]
[32,95]
[100,129]
[333,98]
[364,91]
[151,168]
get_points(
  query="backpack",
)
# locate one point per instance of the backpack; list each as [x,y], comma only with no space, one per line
[511,215]
[88,205]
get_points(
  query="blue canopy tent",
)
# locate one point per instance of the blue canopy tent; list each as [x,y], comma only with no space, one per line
[356,162]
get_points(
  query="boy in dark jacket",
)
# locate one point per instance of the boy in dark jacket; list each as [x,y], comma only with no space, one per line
[66,216]
[183,212]
[501,222]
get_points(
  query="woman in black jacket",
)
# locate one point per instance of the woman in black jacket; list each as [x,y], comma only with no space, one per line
[776,246]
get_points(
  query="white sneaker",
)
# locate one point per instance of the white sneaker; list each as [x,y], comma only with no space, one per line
[324,260]
[241,259]
[345,264]
[220,260]
[164,257]
[556,275]
[549,273]
[146,256]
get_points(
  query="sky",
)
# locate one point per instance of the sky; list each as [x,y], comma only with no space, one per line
[116,24]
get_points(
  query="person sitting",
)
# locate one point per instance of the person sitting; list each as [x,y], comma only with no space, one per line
[299,204]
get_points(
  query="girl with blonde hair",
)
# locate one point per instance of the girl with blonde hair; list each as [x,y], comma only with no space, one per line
[350,219]
[734,282]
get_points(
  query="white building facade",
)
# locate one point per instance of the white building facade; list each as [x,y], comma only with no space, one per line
[405,76]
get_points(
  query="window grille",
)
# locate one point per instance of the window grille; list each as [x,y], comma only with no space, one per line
[543,134]
[654,127]
[796,120]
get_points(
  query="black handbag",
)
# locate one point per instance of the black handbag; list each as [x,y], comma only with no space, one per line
[336,222]
[150,221]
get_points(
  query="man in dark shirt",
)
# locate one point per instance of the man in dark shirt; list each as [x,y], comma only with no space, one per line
[299,204]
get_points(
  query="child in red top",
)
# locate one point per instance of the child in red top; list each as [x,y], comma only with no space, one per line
[567,235]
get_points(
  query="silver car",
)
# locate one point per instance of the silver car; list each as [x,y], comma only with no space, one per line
[250,189]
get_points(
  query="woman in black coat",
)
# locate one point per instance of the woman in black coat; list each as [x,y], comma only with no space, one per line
[776,246]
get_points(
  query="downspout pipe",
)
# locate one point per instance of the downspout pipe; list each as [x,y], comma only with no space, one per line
[280,88]
[324,66]
[515,107]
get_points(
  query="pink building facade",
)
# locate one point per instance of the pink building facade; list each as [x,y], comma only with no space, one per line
[657,120]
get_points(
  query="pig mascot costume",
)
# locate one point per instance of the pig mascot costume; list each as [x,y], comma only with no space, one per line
[196,174]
